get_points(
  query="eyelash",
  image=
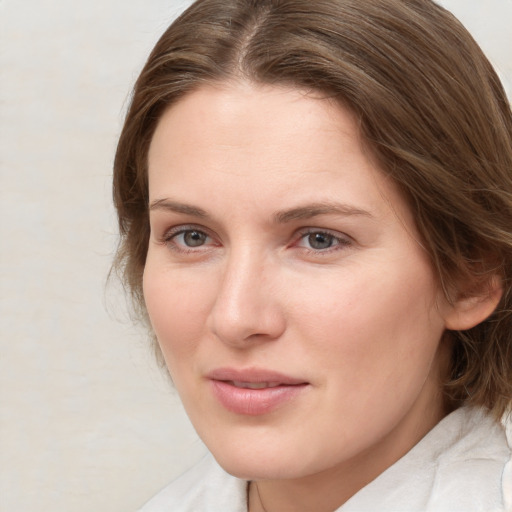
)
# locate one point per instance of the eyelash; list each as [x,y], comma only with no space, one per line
[340,242]
[170,236]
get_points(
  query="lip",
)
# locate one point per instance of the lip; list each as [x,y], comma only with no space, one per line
[250,401]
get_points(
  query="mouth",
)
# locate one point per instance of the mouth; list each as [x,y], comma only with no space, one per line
[258,377]
[254,392]
[253,385]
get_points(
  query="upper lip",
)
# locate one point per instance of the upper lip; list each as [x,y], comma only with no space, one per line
[253,375]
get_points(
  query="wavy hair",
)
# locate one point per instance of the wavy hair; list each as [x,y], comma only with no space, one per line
[430,107]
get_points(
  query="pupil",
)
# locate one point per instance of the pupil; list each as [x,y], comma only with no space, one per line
[194,238]
[320,240]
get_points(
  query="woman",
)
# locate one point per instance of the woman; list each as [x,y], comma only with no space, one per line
[315,202]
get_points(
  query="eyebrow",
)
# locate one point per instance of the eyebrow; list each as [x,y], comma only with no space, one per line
[173,206]
[306,211]
[315,209]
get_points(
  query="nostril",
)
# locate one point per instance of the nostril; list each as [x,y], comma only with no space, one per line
[246,311]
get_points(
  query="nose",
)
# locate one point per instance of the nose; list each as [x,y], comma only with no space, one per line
[247,308]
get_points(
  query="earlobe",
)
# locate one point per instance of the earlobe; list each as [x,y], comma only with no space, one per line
[470,309]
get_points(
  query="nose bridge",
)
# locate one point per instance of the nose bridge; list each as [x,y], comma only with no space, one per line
[246,306]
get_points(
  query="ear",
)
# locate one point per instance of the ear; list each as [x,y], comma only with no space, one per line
[475,305]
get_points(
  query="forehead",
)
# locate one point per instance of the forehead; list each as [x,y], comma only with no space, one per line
[243,117]
[257,107]
[244,139]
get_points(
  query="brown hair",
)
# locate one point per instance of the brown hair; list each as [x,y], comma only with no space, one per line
[430,107]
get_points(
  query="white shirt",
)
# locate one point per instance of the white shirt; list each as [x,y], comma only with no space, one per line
[463,464]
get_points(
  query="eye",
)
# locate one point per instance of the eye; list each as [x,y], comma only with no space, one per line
[191,238]
[320,241]
[184,238]
[317,240]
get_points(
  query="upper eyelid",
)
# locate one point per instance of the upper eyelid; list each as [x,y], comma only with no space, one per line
[332,232]
[168,239]
[181,228]
[344,241]
[299,233]
[316,229]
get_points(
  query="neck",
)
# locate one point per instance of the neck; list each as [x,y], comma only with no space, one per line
[328,490]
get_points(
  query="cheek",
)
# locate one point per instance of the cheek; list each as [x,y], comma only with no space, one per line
[177,306]
[380,324]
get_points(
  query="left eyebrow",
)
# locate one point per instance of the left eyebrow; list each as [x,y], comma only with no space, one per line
[315,209]
[176,207]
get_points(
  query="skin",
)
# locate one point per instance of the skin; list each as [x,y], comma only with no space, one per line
[361,320]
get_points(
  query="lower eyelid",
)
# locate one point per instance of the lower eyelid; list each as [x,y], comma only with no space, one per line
[179,230]
[340,240]
[183,233]
[168,238]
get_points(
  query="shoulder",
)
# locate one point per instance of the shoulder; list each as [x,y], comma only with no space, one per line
[206,487]
[474,472]
[462,465]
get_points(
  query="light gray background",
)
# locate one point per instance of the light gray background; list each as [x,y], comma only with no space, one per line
[88,422]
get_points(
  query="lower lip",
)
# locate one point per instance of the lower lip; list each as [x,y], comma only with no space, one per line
[254,402]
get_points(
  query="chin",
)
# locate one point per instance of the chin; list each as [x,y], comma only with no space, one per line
[247,468]
[258,462]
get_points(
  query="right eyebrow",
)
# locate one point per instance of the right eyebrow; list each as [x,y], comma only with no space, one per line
[309,211]
[173,206]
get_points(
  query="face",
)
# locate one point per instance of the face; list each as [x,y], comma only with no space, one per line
[295,307]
